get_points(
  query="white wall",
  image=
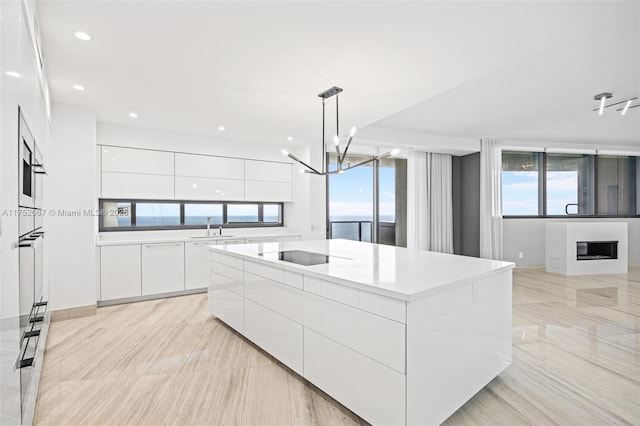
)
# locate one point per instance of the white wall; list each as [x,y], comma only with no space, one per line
[299,215]
[528,236]
[71,187]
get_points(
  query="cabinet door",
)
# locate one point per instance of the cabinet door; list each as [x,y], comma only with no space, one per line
[131,185]
[129,160]
[255,190]
[227,306]
[120,272]
[208,166]
[267,171]
[196,266]
[162,268]
[197,188]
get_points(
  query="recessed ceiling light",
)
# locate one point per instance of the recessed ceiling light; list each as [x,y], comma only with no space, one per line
[221,128]
[79,87]
[289,138]
[133,115]
[82,35]
[12,74]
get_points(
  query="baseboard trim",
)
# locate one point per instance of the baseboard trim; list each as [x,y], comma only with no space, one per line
[111,302]
[73,313]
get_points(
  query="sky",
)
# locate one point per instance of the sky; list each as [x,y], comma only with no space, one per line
[520,192]
[351,194]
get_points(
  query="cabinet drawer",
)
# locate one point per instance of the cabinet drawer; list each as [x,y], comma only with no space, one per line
[274,333]
[376,304]
[227,271]
[219,257]
[371,335]
[227,306]
[279,298]
[265,271]
[371,390]
[225,282]
[293,279]
[261,240]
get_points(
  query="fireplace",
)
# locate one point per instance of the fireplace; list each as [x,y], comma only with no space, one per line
[596,250]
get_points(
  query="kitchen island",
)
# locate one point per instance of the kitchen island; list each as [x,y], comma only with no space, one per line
[398,336]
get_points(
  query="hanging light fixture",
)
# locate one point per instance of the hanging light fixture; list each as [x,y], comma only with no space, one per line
[627,103]
[340,155]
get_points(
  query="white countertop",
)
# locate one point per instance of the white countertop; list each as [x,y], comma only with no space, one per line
[132,239]
[392,271]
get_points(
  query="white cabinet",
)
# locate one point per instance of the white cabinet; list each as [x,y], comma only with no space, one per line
[199,188]
[196,264]
[27,76]
[130,185]
[267,171]
[274,333]
[227,306]
[255,190]
[130,160]
[208,166]
[288,238]
[120,272]
[261,240]
[162,268]
[375,392]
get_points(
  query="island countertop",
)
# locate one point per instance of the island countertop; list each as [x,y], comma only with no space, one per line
[396,272]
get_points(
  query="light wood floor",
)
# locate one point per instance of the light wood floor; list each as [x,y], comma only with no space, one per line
[576,361]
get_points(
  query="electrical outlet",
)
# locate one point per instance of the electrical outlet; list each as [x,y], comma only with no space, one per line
[521,255]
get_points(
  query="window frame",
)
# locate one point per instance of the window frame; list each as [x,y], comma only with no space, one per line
[182,225]
[542,191]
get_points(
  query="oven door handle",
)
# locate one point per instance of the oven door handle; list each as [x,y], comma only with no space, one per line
[28,242]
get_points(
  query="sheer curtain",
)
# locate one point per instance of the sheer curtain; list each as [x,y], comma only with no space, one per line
[491,199]
[429,202]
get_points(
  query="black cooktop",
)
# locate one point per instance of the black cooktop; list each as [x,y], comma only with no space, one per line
[300,257]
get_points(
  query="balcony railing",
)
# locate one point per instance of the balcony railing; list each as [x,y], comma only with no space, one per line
[361,230]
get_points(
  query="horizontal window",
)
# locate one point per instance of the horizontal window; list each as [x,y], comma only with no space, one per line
[571,185]
[131,215]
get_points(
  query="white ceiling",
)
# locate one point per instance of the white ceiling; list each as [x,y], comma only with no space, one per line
[509,70]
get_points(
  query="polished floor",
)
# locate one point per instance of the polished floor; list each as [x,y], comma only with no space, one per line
[576,361]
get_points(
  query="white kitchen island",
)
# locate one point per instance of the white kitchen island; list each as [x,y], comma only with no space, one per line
[398,336]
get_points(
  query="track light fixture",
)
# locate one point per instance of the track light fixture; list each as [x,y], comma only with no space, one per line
[341,155]
[625,105]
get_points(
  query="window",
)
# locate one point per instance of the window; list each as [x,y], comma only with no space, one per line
[116,214]
[520,183]
[157,214]
[132,215]
[243,213]
[356,196]
[617,185]
[197,214]
[569,185]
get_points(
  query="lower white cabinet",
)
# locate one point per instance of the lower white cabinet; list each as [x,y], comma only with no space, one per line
[120,271]
[373,391]
[196,264]
[162,268]
[274,333]
[227,305]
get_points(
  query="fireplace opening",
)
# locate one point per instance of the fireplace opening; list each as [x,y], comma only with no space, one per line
[597,250]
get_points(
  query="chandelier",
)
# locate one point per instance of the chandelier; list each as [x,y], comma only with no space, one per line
[340,155]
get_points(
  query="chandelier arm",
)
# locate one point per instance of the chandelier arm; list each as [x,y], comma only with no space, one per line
[294,158]
[372,159]
[344,154]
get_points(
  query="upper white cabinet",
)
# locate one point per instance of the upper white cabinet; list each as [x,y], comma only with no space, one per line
[196,188]
[129,160]
[207,166]
[255,190]
[267,171]
[132,185]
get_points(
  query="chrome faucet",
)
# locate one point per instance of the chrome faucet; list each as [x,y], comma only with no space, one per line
[220,231]
[208,226]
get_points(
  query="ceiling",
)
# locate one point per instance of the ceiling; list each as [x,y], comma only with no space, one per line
[509,70]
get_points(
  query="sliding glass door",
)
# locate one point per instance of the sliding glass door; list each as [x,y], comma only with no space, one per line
[368,203]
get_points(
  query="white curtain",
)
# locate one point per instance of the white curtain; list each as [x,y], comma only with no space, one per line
[491,199]
[429,202]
